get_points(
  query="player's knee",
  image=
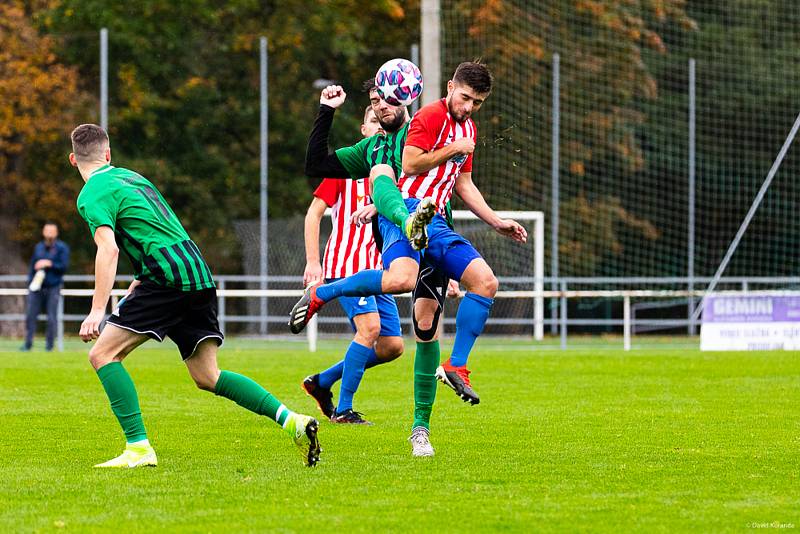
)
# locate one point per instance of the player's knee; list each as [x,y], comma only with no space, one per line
[492,285]
[381,169]
[400,283]
[425,326]
[370,332]
[425,322]
[99,358]
[408,283]
[486,285]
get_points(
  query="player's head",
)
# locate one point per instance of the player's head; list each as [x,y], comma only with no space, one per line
[468,89]
[370,126]
[89,145]
[390,117]
[50,231]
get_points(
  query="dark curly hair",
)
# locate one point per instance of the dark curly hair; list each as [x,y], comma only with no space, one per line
[475,75]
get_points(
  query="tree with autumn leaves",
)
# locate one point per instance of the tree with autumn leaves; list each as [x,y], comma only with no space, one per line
[184,94]
[184,105]
[39,101]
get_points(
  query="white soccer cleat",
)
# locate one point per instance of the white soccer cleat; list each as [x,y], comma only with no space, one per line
[133,456]
[420,442]
[416,226]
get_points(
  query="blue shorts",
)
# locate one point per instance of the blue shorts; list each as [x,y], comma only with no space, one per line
[447,251]
[383,305]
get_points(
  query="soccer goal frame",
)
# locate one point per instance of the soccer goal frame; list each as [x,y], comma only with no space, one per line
[537,260]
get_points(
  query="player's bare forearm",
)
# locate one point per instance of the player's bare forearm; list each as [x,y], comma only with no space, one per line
[311,229]
[416,161]
[105,270]
[473,199]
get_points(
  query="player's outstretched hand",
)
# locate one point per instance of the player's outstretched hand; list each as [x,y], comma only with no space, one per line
[512,229]
[364,215]
[90,328]
[333,96]
[312,274]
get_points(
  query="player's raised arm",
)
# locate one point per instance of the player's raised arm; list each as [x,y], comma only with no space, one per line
[319,163]
[473,198]
[105,269]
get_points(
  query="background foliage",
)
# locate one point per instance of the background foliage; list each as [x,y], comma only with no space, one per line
[184,111]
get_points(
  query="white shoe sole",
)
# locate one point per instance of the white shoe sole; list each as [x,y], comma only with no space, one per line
[149,460]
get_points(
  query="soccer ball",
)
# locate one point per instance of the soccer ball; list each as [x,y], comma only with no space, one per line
[399,82]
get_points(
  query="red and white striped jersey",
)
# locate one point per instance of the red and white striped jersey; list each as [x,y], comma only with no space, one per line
[350,248]
[432,128]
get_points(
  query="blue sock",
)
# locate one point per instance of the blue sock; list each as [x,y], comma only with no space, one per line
[470,320]
[373,360]
[361,284]
[328,377]
[355,361]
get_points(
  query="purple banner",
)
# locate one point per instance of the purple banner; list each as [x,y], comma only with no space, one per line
[755,309]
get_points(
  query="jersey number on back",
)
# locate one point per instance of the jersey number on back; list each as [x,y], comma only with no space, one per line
[154,200]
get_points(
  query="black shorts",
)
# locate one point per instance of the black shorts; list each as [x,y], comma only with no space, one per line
[186,317]
[431,284]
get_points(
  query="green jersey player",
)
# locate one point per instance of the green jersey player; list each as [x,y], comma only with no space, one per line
[173,295]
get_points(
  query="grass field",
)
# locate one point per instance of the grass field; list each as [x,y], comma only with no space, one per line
[652,440]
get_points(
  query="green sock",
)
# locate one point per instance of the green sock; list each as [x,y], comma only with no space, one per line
[124,400]
[425,363]
[248,394]
[389,200]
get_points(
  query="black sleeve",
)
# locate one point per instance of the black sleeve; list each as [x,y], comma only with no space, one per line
[319,163]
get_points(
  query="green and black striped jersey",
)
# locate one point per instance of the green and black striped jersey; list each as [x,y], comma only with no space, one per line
[145,228]
[385,148]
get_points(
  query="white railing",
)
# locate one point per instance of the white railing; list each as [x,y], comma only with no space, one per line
[563,322]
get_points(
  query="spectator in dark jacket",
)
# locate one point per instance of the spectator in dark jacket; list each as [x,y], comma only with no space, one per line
[51,257]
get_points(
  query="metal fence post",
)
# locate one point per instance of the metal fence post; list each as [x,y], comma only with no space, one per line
[626,323]
[60,322]
[555,182]
[263,262]
[312,333]
[563,300]
[221,306]
[104,78]
[691,221]
[415,61]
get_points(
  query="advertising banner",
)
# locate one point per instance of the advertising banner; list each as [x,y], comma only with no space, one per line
[758,322]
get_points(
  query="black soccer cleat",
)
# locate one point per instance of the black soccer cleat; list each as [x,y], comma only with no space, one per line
[304,310]
[349,417]
[457,379]
[322,396]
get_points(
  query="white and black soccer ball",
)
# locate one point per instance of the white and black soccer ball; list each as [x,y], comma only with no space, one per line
[399,82]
